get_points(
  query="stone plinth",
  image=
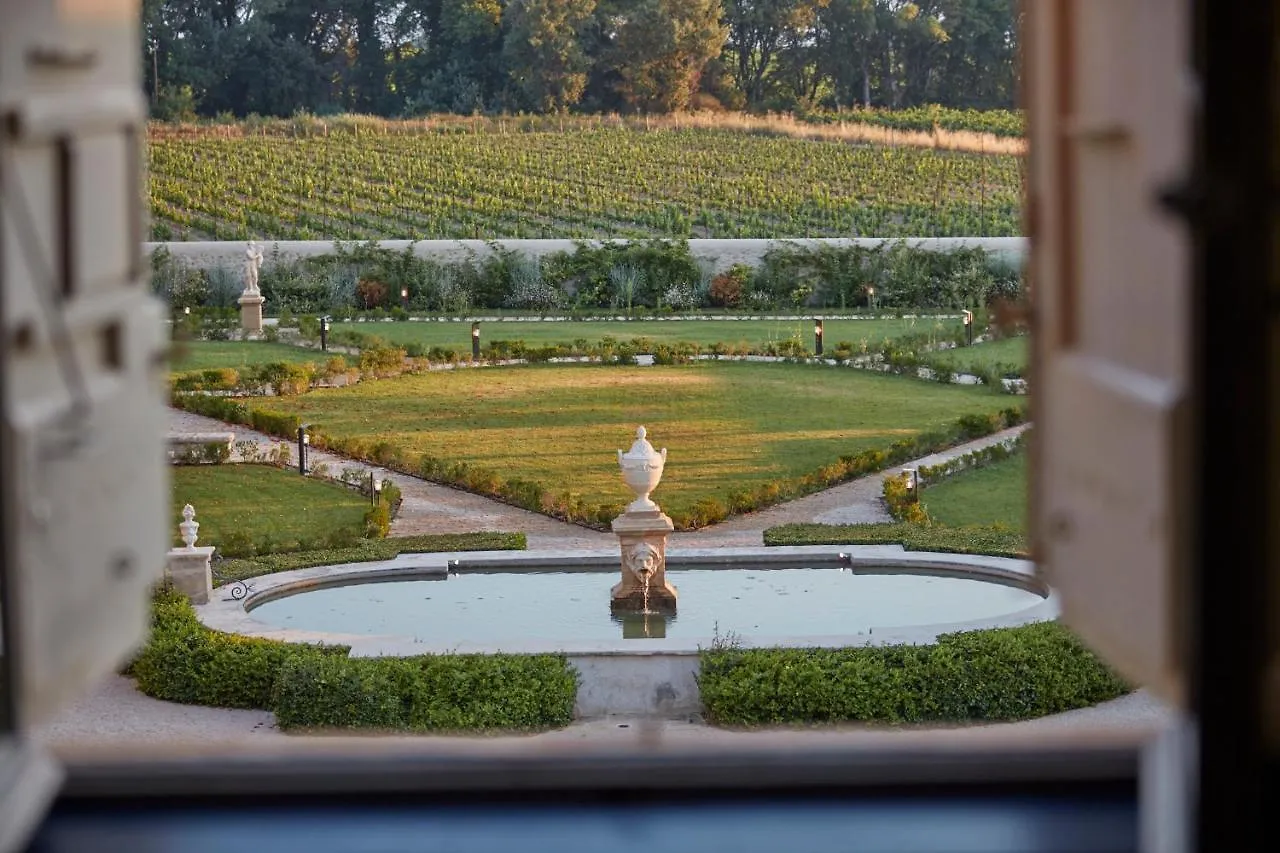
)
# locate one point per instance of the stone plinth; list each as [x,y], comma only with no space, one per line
[190,572]
[251,311]
[643,539]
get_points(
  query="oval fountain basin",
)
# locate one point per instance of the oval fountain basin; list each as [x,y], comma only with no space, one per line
[755,603]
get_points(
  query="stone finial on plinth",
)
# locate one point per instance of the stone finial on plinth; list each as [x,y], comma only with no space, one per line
[189,526]
[642,532]
[190,567]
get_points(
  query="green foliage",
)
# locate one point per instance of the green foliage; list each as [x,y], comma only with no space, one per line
[185,662]
[989,675]
[405,441]
[247,509]
[686,183]
[995,541]
[428,693]
[320,687]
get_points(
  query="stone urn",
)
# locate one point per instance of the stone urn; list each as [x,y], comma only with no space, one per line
[642,532]
[642,470]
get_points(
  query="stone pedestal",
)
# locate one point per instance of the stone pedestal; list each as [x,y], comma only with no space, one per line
[643,539]
[251,311]
[190,571]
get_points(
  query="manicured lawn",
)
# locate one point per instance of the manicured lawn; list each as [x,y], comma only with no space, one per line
[728,425]
[1008,351]
[457,335]
[262,502]
[995,494]
[205,355]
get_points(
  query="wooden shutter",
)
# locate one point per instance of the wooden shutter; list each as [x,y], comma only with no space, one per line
[1109,115]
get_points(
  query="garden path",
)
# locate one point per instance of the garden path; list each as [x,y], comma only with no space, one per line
[431,508]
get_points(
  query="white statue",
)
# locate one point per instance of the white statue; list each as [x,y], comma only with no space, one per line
[252,261]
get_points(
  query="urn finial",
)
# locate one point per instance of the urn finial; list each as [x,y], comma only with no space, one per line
[642,470]
[189,526]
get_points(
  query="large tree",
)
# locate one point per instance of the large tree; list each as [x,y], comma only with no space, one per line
[661,49]
[543,51]
[758,31]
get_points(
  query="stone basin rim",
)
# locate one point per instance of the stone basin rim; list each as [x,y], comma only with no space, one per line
[232,614]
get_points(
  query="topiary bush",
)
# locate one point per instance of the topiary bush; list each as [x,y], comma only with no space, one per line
[990,675]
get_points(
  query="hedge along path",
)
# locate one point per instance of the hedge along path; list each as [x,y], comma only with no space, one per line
[427,507]
[855,502]
[431,508]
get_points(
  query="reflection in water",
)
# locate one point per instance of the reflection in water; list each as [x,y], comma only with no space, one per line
[647,624]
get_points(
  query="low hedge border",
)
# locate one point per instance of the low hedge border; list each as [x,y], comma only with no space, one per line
[999,674]
[320,687]
[536,497]
[994,540]
[368,550]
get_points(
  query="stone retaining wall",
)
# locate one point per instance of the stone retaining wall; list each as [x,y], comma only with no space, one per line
[721,254]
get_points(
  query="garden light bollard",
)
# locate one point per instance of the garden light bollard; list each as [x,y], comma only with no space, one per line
[817,337]
[304,441]
[871,298]
[475,341]
[324,334]
[968,327]
[913,483]
[404,298]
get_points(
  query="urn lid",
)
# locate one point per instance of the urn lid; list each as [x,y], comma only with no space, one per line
[641,448]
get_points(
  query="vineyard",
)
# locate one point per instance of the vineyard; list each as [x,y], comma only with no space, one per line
[582,182]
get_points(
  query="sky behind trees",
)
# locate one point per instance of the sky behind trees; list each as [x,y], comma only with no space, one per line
[413,57]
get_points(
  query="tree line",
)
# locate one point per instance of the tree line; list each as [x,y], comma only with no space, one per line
[414,57]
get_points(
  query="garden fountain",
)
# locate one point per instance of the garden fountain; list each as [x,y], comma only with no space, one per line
[642,532]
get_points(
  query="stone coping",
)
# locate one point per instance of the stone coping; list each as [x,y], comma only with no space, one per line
[230,607]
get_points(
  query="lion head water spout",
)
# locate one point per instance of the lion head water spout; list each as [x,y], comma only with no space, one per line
[642,534]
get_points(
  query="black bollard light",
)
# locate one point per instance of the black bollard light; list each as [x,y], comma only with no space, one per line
[871,298]
[475,341]
[404,298]
[304,441]
[968,328]
[324,334]
[817,337]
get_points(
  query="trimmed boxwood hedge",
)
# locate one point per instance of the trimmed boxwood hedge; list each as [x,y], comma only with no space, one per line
[995,540]
[989,675]
[319,686]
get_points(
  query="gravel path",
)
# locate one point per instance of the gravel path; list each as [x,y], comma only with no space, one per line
[117,715]
[431,508]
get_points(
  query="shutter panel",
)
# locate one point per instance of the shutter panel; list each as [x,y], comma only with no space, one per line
[1109,126]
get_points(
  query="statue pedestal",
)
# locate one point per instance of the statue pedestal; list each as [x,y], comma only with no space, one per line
[643,538]
[251,311]
[190,572]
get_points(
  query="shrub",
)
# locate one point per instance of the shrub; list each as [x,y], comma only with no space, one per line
[427,693]
[726,288]
[996,674]
[994,540]
[320,686]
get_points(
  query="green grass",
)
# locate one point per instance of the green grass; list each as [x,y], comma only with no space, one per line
[457,335]
[1007,351]
[263,503]
[994,494]
[206,355]
[729,426]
